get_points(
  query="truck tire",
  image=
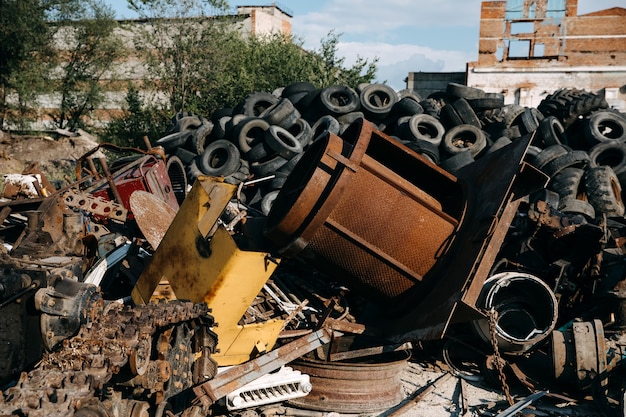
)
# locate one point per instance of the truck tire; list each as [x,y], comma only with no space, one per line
[610,153]
[567,183]
[551,131]
[604,126]
[578,159]
[574,206]
[604,192]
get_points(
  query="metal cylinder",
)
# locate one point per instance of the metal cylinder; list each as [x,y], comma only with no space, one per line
[354,387]
[369,209]
[526,311]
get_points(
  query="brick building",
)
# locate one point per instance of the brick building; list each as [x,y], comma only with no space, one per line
[530,48]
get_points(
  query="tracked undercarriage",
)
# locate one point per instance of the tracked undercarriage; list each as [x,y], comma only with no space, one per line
[123,362]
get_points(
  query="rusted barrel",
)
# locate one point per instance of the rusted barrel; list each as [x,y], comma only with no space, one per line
[368,209]
[343,387]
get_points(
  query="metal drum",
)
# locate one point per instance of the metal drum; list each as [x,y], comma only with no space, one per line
[369,209]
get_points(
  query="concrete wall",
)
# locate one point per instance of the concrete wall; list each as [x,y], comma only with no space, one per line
[529,48]
[426,83]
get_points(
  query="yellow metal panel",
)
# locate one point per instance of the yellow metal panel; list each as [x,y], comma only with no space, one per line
[213,270]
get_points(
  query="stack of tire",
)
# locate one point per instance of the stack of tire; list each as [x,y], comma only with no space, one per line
[578,142]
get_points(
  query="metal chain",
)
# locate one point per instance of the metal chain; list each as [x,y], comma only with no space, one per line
[493,320]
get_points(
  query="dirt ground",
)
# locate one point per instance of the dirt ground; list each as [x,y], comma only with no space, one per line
[54,156]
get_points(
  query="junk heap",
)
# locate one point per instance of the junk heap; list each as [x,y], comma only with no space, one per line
[278,257]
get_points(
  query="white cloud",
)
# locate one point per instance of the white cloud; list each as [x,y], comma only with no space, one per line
[396,61]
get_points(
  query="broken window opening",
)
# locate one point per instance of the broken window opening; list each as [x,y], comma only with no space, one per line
[519,48]
[532,10]
[555,9]
[522,27]
[500,53]
[539,50]
[514,9]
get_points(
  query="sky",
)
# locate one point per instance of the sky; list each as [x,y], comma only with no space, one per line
[405,35]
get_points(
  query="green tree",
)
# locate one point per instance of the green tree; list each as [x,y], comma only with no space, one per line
[87,44]
[24,39]
[198,64]
[139,120]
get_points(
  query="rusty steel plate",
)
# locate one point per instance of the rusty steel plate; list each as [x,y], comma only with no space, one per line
[152,214]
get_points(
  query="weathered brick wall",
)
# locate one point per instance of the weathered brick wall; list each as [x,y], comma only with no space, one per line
[555,49]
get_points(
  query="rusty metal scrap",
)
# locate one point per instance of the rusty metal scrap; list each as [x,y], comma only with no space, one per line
[362,232]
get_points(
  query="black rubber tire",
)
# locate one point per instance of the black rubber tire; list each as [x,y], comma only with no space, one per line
[431,106]
[569,103]
[261,169]
[302,131]
[464,137]
[550,131]
[349,118]
[219,159]
[407,93]
[185,155]
[242,174]
[466,113]
[282,142]
[463,91]
[259,152]
[174,140]
[256,103]
[377,100]
[178,177]
[567,183]
[605,126]
[604,191]
[249,133]
[406,106]
[449,117]
[574,206]
[278,181]
[219,113]
[200,138]
[612,154]
[530,119]
[426,148]
[290,165]
[186,121]
[499,143]
[325,123]
[427,128]
[268,201]
[192,171]
[339,99]
[577,159]
[282,114]
[457,161]
[219,127]
[486,103]
[297,88]
[548,154]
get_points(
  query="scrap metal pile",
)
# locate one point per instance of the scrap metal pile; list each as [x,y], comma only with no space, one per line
[277,257]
